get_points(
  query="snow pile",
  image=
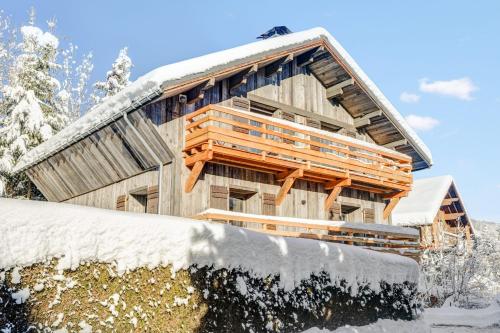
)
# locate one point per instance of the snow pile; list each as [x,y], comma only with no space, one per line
[32,232]
[445,319]
[381,326]
[150,86]
[453,316]
[421,206]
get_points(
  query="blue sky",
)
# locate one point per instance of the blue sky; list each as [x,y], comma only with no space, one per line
[404,46]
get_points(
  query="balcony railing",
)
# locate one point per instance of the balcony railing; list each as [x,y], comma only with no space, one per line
[267,144]
[377,237]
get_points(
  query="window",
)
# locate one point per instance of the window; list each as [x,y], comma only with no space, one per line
[138,200]
[347,213]
[238,199]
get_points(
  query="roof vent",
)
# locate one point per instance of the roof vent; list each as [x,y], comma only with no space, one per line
[275,32]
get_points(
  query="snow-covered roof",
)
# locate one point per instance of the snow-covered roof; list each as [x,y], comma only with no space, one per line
[34,231]
[422,205]
[152,84]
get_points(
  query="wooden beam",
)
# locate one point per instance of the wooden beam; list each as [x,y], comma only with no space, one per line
[397,194]
[277,66]
[193,176]
[390,206]
[195,94]
[453,216]
[289,179]
[366,119]
[336,189]
[395,144]
[342,182]
[449,201]
[295,173]
[307,57]
[241,77]
[336,89]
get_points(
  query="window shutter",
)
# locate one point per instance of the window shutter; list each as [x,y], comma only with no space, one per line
[313,123]
[242,104]
[152,200]
[335,211]
[269,204]
[219,197]
[290,117]
[369,215]
[121,202]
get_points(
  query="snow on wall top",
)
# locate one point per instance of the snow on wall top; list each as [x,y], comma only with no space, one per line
[421,206]
[357,226]
[33,231]
[150,86]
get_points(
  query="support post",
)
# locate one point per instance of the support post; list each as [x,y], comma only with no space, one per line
[289,179]
[193,176]
[336,188]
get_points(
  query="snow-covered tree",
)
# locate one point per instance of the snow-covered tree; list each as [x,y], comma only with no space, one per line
[116,79]
[462,275]
[34,105]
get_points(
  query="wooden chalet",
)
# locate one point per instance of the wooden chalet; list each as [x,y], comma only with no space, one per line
[288,126]
[435,208]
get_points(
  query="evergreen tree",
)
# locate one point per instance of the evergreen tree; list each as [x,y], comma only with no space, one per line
[116,79]
[34,105]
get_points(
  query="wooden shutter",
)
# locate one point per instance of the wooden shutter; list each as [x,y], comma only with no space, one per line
[315,124]
[269,204]
[290,117]
[219,197]
[349,133]
[121,202]
[335,211]
[152,200]
[369,215]
[240,103]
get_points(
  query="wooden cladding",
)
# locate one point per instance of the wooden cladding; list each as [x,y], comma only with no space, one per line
[219,197]
[269,204]
[109,155]
[276,147]
[368,215]
[152,200]
[121,202]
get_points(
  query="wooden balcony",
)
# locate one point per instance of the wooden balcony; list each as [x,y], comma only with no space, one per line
[292,151]
[377,237]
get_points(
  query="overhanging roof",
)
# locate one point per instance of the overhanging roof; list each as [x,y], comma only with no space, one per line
[181,75]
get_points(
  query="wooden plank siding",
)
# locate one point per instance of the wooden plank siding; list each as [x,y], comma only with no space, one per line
[120,172]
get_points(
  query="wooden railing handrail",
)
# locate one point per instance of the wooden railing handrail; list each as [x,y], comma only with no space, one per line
[221,216]
[391,155]
[378,240]
[264,130]
[217,134]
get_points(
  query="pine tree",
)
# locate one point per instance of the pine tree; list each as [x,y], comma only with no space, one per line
[116,79]
[34,105]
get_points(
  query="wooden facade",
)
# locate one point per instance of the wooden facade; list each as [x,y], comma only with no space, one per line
[450,224]
[253,138]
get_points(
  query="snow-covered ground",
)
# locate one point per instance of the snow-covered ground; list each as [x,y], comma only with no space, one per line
[435,320]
